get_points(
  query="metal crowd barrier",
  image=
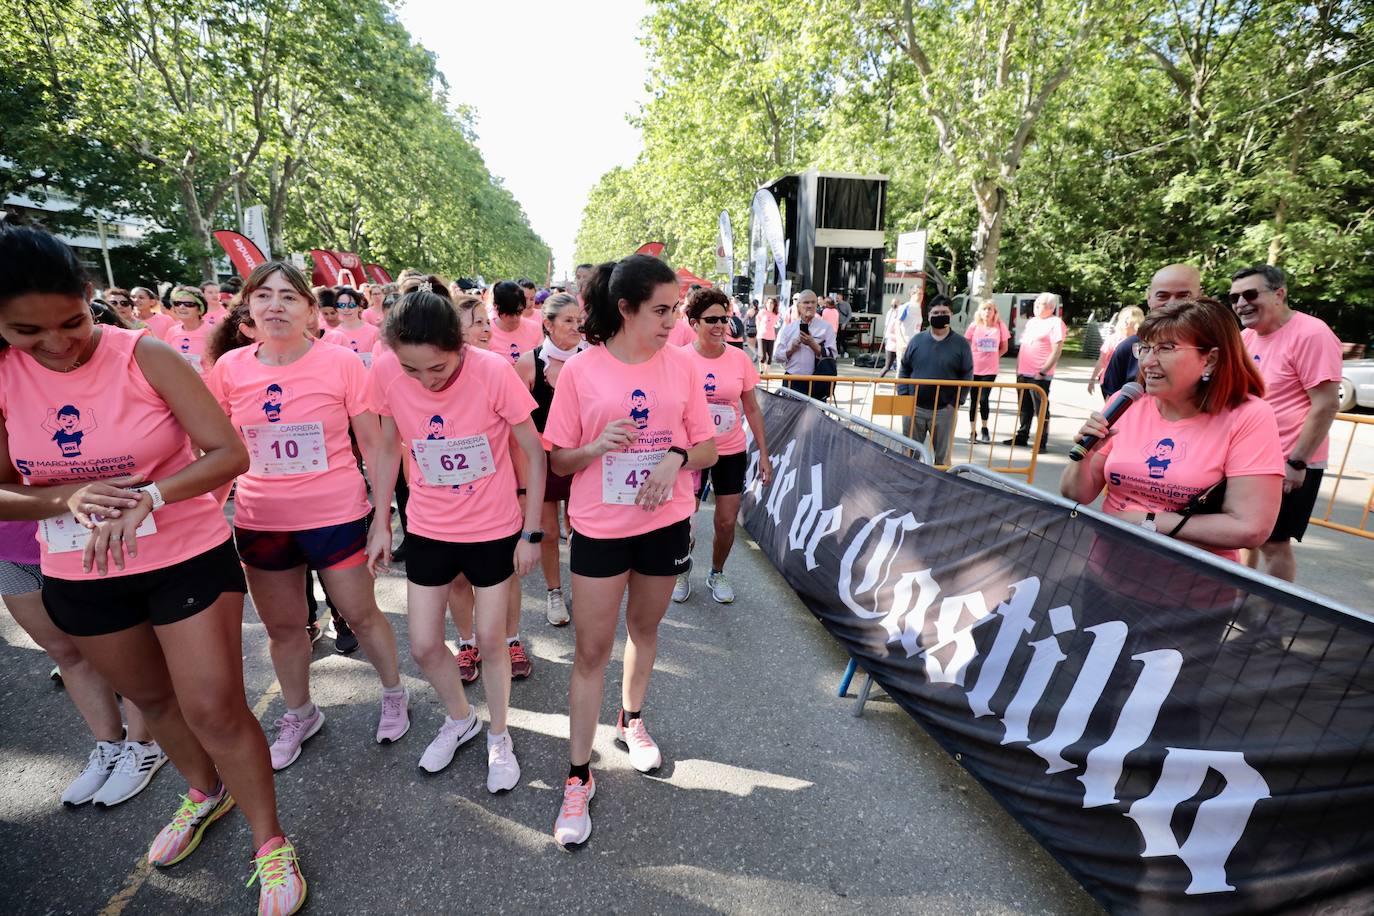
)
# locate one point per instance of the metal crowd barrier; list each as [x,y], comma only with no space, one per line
[877,403]
[1337,475]
[896,442]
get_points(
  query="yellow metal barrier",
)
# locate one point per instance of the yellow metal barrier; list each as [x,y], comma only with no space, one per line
[1339,474]
[877,400]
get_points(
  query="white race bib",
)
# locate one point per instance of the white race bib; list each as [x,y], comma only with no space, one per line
[723,418]
[194,360]
[623,473]
[987,344]
[286,449]
[64,534]
[366,358]
[451,462]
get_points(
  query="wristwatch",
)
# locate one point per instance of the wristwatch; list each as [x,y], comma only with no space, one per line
[1297,465]
[1148,523]
[532,537]
[155,494]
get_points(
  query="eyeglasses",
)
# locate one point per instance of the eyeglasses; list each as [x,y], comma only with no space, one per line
[1142,350]
[1249,295]
[714,319]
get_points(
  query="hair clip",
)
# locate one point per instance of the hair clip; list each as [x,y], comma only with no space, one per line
[425,286]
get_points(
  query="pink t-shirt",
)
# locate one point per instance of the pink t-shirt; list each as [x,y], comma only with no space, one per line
[1157,465]
[215,314]
[681,335]
[1038,339]
[662,396]
[160,324]
[768,324]
[295,421]
[830,317]
[98,421]
[985,342]
[723,380]
[479,407]
[512,344]
[336,337]
[374,317]
[1109,345]
[360,340]
[191,344]
[1296,358]
[19,542]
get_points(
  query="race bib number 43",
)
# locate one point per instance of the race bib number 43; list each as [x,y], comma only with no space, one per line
[64,534]
[285,450]
[450,462]
[623,473]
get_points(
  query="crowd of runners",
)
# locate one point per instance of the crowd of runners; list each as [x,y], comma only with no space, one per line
[488,415]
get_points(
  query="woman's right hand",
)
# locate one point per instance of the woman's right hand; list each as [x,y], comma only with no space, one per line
[1096,425]
[106,498]
[617,435]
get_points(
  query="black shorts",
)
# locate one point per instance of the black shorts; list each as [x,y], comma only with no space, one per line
[96,607]
[318,548]
[433,563]
[664,551]
[1296,509]
[726,475]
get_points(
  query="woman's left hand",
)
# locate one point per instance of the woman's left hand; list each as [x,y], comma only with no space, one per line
[111,538]
[526,557]
[657,488]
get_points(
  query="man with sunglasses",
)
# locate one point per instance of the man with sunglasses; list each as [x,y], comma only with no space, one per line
[1174,282]
[1300,359]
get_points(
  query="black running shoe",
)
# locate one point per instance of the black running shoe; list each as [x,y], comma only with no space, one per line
[345,643]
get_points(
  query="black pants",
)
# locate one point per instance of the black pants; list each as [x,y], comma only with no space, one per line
[1030,403]
[981,396]
[767,346]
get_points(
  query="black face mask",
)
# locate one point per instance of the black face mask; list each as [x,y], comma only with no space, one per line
[939,321]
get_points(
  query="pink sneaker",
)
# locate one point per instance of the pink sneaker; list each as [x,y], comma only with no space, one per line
[281,886]
[395,720]
[292,734]
[180,838]
[574,823]
[644,752]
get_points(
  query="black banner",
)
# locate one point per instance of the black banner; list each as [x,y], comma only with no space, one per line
[1181,739]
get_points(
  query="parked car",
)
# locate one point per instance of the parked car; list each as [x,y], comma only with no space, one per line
[1357,384]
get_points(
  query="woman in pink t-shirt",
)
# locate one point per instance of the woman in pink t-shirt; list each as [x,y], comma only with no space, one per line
[987,337]
[360,335]
[629,421]
[768,322]
[456,407]
[1126,324]
[374,294]
[303,503]
[1203,421]
[511,334]
[191,332]
[728,379]
[138,565]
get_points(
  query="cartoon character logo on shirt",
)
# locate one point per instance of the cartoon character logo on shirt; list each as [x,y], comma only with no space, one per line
[710,385]
[639,404]
[185,345]
[434,429]
[68,428]
[515,353]
[272,403]
[1159,456]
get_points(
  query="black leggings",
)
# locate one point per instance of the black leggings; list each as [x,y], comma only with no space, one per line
[767,346]
[981,396]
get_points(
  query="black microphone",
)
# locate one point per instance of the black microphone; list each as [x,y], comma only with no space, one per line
[1128,395]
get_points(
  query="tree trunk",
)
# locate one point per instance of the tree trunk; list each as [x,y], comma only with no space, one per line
[1295,141]
[987,237]
[196,222]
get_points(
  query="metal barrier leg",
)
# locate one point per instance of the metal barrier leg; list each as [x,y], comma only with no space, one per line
[849,670]
[862,698]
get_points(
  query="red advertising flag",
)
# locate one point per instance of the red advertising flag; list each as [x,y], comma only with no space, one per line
[351,272]
[377,273]
[327,268]
[241,251]
[653,249]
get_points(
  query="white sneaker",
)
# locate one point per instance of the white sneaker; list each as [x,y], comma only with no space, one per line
[574,822]
[644,753]
[98,768]
[503,770]
[555,609]
[451,735]
[132,773]
[682,588]
[720,587]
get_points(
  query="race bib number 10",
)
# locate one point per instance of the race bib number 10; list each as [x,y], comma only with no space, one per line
[451,462]
[623,473]
[286,450]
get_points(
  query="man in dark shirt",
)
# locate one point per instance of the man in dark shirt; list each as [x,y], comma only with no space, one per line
[1177,281]
[936,353]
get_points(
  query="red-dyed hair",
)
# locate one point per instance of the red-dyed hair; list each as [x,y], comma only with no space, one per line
[1206,323]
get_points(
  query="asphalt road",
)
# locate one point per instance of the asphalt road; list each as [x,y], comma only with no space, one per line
[773,798]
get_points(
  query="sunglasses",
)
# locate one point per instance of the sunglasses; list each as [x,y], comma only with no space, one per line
[185,303]
[118,302]
[714,319]
[345,305]
[1249,295]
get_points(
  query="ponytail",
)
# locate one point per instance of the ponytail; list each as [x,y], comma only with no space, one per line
[632,279]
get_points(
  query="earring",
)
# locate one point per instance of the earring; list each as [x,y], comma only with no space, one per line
[1207,376]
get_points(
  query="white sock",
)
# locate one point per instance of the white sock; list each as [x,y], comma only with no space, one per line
[494,738]
[394,691]
[303,712]
[466,642]
[512,640]
[472,714]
